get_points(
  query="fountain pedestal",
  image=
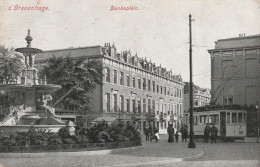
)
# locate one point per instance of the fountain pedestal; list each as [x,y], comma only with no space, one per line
[29,98]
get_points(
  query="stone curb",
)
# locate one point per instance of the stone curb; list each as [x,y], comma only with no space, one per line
[160,162]
[167,161]
[64,154]
[198,156]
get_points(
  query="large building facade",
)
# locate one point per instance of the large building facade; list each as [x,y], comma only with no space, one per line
[235,71]
[201,96]
[133,89]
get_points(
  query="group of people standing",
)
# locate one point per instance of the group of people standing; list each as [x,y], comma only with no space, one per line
[210,130]
[151,133]
[172,134]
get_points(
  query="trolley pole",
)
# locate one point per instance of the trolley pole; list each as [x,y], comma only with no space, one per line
[191,143]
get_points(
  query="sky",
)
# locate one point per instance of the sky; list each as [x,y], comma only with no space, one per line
[158,30]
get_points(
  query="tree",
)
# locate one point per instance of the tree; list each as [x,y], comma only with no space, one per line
[77,78]
[11,65]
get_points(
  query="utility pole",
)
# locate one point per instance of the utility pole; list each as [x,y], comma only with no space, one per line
[191,143]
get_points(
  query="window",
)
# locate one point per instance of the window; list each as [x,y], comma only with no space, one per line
[228,117]
[240,117]
[115,102]
[144,105]
[165,90]
[195,120]
[228,99]
[177,109]
[153,86]
[133,81]
[134,104]
[234,117]
[115,76]
[122,103]
[107,74]
[202,119]
[180,93]
[127,80]
[196,103]
[161,90]
[108,101]
[149,106]
[153,106]
[139,83]
[158,89]
[128,104]
[139,105]
[121,78]
[244,117]
[144,84]
[149,85]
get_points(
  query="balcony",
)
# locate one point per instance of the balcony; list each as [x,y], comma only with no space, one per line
[163,117]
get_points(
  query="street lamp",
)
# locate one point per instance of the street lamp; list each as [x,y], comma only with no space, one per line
[257,108]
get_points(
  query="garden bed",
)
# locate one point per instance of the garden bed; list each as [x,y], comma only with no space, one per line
[68,147]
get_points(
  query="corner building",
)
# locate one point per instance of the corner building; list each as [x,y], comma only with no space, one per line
[133,89]
[235,71]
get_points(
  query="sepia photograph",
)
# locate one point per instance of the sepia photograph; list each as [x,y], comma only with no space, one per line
[129,83]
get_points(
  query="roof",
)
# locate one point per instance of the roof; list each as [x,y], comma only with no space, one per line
[71,52]
[239,42]
[106,119]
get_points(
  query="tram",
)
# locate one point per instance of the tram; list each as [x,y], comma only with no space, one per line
[231,124]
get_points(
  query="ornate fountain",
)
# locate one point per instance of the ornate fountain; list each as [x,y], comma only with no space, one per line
[30,98]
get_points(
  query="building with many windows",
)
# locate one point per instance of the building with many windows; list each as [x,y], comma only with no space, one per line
[201,96]
[133,89]
[235,71]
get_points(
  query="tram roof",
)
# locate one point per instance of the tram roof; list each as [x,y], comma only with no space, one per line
[218,108]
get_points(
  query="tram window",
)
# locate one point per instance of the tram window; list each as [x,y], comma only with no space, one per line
[228,117]
[202,119]
[213,119]
[244,117]
[206,119]
[234,117]
[195,120]
[240,117]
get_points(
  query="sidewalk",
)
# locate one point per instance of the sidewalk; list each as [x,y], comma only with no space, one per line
[248,140]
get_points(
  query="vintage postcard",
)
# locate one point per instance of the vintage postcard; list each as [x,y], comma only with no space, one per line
[129,83]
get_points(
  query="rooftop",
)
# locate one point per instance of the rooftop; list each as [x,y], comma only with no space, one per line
[111,52]
[239,42]
[71,52]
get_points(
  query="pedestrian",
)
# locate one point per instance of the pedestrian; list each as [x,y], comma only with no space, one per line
[214,133]
[156,134]
[176,136]
[184,133]
[170,132]
[206,133]
[150,131]
[146,133]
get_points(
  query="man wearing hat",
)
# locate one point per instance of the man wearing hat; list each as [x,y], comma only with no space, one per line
[206,133]
[214,133]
